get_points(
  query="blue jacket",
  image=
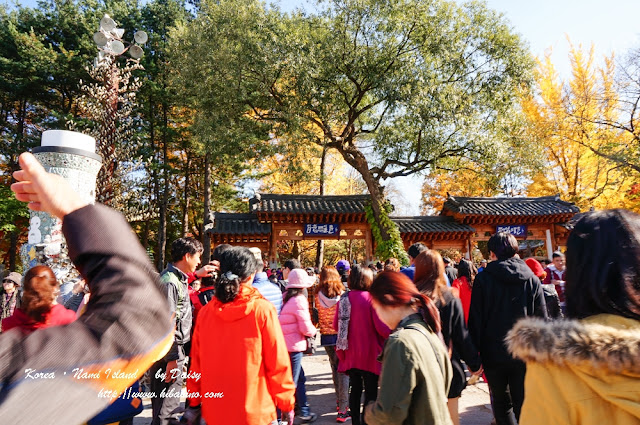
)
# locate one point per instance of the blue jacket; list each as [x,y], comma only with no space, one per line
[268,290]
[409,271]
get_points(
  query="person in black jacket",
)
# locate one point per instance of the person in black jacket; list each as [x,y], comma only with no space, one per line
[429,279]
[67,374]
[504,292]
[449,270]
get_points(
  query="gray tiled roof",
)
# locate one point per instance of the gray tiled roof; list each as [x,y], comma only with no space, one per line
[309,204]
[430,224]
[546,205]
[238,224]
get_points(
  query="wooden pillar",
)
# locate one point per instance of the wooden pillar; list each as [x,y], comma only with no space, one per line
[273,239]
[368,244]
[549,244]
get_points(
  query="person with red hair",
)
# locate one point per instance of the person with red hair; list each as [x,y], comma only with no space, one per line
[416,370]
[39,308]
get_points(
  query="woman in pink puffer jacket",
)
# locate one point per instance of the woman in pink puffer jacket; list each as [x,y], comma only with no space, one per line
[296,325]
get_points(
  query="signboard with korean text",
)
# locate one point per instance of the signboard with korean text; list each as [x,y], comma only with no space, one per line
[517,230]
[323,229]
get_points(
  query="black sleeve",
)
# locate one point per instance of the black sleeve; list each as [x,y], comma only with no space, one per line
[539,304]
[553,306]
[476,308]
[461,338]
[124,329]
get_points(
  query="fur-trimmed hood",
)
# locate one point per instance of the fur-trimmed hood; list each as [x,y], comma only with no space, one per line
[599,342]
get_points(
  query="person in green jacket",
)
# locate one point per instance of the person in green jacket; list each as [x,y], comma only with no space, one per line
[416,370]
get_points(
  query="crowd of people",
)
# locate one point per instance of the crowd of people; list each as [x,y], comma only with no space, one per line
[556,344]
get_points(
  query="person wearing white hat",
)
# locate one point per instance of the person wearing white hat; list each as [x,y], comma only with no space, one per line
[296,326]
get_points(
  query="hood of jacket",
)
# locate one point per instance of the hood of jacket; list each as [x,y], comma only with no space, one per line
[327,302]
[240,307]
[553,268]
[601,342]
[512,270]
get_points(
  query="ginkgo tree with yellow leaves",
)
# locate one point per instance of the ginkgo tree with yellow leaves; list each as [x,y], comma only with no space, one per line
[464,182]
[302,171]
[563,125]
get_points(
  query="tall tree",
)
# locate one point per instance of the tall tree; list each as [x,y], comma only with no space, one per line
[25,67]
[211,77]
[464,182]
[563,123]
[623,117]
[397,88]
[164,122]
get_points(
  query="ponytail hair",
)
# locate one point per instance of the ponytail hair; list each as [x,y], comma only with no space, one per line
[395,289]
[236,264]
[227,287]
[40,289]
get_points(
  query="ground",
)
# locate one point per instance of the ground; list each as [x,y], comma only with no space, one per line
[474,404]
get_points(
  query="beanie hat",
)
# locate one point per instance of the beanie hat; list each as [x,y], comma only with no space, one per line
[299,278]
[342,266]
[536,267]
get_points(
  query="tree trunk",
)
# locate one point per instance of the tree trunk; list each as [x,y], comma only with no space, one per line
[145,234]
[162,227]
[295,252]
[206,242]
[187,185]
[13,250]
[13,236]
[377,201]
[155,178]
[356,159]
[320,245]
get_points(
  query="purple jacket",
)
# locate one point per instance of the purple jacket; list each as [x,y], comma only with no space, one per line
[366,337]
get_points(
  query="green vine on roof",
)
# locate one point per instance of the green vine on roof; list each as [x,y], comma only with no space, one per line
[389,248]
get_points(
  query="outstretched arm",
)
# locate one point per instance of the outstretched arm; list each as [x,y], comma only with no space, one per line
[123,330]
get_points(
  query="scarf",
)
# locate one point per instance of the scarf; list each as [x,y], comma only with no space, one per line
[9,304]
[344,314]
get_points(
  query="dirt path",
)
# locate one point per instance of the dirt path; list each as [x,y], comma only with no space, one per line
[474,404]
